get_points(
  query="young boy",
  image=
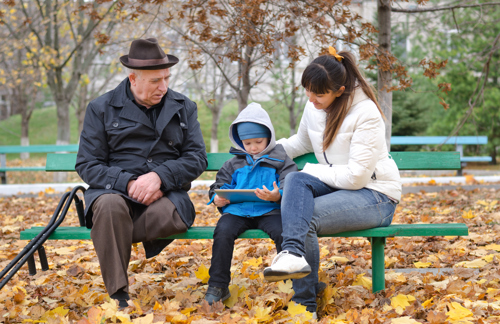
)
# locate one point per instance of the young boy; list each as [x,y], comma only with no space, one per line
[261,164]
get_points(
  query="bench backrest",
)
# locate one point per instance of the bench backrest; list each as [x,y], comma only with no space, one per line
[10,149]
[404,161]
[436,140]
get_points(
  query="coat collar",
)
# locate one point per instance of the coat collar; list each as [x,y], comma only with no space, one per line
[173,103]
[359,95]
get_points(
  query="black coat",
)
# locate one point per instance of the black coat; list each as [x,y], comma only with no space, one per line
[118,142]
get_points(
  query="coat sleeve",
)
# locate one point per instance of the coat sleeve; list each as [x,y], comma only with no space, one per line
[224,175]
[288,166]
[300,143]
[365,147]
[93,152]
[175,174]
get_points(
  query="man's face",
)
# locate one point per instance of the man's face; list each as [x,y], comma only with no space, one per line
[149,86]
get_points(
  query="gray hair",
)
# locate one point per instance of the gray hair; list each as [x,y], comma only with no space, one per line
[133,71]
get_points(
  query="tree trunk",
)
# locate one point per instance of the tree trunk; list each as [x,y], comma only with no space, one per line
[385,77]
[81,106]
[25,139]
[291,107]
[63,126]
[214,142]
[244,90]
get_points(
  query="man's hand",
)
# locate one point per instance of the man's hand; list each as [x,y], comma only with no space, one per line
[146,189]
[220,202]
[267,195]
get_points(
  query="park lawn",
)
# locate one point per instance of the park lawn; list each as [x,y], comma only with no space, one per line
[171,286]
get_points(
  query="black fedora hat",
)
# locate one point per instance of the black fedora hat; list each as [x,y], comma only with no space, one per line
[146,54]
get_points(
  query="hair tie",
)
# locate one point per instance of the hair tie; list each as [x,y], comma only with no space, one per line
[333,52]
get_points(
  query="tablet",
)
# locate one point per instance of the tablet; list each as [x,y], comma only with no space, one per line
[238,195]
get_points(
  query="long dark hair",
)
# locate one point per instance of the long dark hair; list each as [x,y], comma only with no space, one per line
[325,74]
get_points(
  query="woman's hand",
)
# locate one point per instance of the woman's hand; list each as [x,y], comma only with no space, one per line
[220,202]
[267,195]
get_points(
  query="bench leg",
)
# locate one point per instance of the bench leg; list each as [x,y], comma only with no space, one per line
[378,263]
[3,178]
[31,265]
[43,258]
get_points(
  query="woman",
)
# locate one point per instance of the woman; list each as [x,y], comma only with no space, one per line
[355,185]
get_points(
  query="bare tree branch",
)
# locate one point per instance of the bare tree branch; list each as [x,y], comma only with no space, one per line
[394,9]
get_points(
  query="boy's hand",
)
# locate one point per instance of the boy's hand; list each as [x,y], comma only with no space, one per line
[267,195]
[220,202]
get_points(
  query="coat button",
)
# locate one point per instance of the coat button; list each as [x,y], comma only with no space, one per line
[183,125]
[170,143]
[108,186]
[115,124]
[149,160]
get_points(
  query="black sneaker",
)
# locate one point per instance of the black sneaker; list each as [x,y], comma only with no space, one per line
[215,294]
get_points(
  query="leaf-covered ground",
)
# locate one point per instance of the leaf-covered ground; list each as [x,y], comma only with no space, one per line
[171,286]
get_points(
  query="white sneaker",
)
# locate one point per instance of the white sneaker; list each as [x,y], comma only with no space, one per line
[287,266]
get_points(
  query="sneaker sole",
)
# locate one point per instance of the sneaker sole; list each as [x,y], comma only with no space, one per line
[272,276]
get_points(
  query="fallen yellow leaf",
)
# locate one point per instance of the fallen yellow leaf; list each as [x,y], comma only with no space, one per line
[468,214]
[401,301]
[361,280]
[202,274]
[428,302]
[457,312]
[285,286]
[403,320]
[495,247]
[254,262]
[422,264]
[298,309]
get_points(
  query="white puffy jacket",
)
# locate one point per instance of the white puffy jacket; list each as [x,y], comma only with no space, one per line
[358,156]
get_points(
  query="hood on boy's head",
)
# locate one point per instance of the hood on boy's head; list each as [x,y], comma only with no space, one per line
[253,113]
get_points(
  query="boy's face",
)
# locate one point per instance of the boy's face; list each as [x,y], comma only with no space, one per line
[255,145]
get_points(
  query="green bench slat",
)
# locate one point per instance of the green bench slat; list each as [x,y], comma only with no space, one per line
[8,169]
[206,232]
[404,160]
[10,149]
[436,140]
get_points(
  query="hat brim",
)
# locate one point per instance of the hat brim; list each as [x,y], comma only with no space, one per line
[172,60]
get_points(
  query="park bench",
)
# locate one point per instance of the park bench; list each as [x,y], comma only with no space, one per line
[12,149]
[458,141]
[376,236]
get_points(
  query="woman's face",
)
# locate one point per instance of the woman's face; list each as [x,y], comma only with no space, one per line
[324,100]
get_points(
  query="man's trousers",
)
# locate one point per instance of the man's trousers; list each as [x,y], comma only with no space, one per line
[119,222]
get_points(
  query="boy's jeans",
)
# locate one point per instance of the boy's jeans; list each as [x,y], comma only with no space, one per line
[310,207]
[228,228]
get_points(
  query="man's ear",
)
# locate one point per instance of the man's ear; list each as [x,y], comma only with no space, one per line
[133,78]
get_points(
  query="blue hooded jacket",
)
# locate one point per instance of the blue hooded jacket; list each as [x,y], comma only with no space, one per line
[246,171]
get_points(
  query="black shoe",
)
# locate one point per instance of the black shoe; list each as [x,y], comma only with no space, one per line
[215,294]
[320,287]
[121,298]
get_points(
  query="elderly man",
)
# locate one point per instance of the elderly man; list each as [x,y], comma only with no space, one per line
[140,148]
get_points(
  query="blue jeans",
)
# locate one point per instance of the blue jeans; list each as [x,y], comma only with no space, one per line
[310,207]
